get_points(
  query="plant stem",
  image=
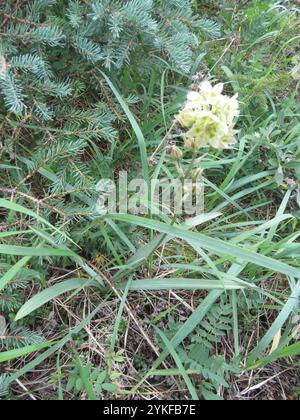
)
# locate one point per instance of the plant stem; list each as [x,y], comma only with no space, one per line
[183,178]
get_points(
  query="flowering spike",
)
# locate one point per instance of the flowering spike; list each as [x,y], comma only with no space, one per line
[208,116]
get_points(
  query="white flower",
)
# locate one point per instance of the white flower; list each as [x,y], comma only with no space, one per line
[226,141]
[193,97]
[226,107]
[209,93]
[209,117]
[187,117]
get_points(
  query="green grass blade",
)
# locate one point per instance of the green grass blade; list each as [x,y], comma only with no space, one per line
[54,349]
[135,126]
[35,252]
[216,246]
[235,323]
[122,236]
[12,272]
[290,351]
[119,316]
[6,356]
[179,364]
[85,380]
[190,324]
[15,233]
[49,294]
[10,205]
[277,325]
[59,379]
[184,284]
[76,258]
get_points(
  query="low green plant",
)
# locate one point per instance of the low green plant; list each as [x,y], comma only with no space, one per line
[93,381]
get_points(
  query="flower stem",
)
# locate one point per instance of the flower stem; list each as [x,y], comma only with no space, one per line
[183,178]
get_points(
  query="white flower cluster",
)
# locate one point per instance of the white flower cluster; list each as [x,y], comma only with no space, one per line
[209,118]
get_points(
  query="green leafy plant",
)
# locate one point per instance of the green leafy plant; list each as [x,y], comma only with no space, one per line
[94,381]
[89,89]
[198,356]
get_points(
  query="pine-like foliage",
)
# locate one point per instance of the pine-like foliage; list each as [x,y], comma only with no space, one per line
[81,35]
[57,115]
[19,337]
[11,299]
[11,296]
[4,385]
